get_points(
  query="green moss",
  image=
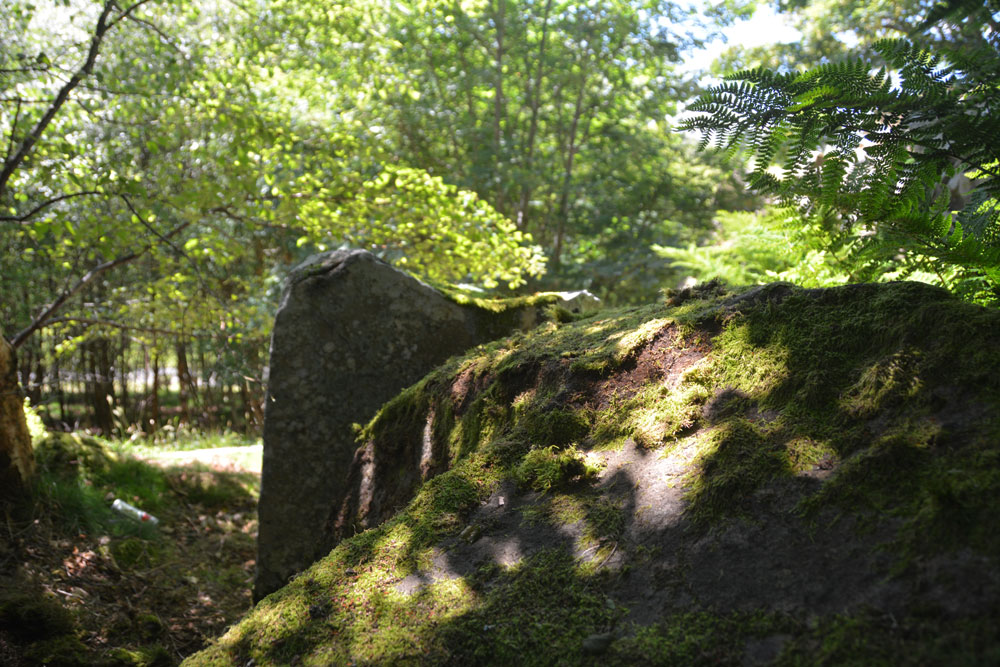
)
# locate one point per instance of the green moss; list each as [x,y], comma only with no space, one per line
[806,454]
[498,305]
[72,454]
[534,614]
[32,615]
[553,468]
[62,651]
[554,427]
[837,396]
[565,508]
[887,641]
[136,553]
[737,459]
[658,415]
[697,638]
[146,656]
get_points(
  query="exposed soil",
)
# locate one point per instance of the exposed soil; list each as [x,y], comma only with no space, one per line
[173,591]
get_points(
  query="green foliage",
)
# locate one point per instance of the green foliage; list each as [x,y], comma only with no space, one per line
[185,144]
[519,102]
[877,148]
[79,475]
[783,245]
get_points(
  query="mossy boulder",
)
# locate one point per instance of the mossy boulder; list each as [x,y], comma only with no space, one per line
[71,454]
[770,475]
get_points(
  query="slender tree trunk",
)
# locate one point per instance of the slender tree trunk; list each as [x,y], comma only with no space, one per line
[101,384]
[534,103]
[204,392]
[60,391]
[123,373]
[499,103]
[154,396]
[571,150]
[184,381]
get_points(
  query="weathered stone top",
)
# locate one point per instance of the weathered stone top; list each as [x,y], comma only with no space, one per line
[350,333]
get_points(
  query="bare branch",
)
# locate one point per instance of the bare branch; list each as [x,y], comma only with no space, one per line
[162,35]
[104,23]
[23,100]
[11,164]
[90,276]
[33,212]
[125,327]
[178,251]
[13,131]
[127,13]
[21,70]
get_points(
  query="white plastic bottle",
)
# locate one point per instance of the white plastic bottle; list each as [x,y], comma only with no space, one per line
[133,512]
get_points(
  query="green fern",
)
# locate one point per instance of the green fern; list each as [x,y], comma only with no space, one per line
[876,145]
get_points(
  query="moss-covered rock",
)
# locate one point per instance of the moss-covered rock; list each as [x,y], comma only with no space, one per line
[70,454]
[770,475]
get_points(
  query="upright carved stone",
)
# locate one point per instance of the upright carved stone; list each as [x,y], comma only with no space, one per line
[351,332]
[17,461]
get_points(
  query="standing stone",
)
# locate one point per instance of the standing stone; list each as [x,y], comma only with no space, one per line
[17,461]
[351,332]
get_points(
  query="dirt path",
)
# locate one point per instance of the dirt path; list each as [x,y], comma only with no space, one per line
[228,459]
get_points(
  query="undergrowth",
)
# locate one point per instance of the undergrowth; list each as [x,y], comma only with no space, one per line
[83,585]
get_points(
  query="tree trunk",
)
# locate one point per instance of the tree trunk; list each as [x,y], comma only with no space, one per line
[534,103]
[17,461]
[102,386]
[499,103]
[59,389]
[572,148]
[154,397]
[123,372]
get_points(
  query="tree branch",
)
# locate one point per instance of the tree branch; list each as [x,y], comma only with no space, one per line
[13,130]
[33,212]
[89,277]
[162,35]
[11,164]
[125,327]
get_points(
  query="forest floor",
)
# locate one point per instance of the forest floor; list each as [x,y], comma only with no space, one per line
[153,597]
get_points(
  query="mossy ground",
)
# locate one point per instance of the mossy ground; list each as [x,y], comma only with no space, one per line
[766,476]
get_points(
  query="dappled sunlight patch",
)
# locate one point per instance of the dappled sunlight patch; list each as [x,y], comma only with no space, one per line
[736,459]
[811,458]
[745,362]
[627,342]
[888,381]
[662,414]
[552,468]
